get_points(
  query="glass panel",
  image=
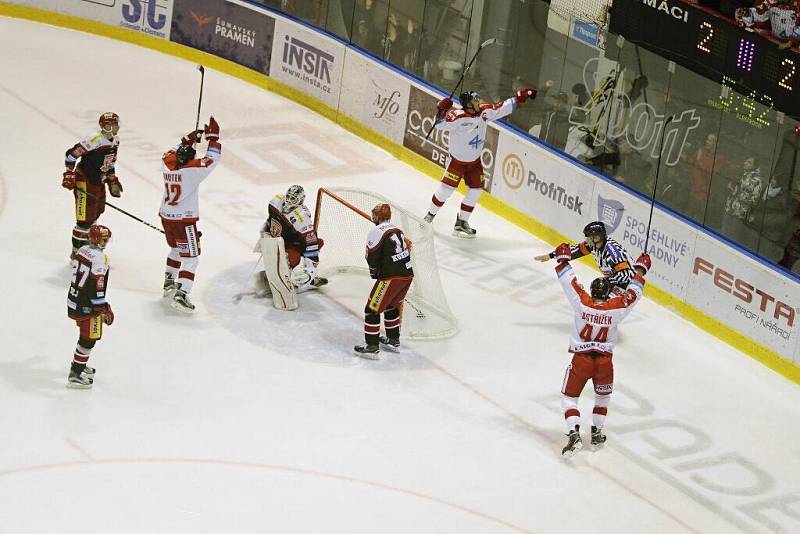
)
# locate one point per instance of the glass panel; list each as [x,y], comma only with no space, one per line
[370,19]
[445,32]
[404,33]
[339,17]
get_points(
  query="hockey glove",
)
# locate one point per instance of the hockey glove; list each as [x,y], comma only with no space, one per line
[444,105]
[192,137]
[212,130]
[642,264]
[105,312]
[114,187]
[68,180]
[563,253]
[524,94]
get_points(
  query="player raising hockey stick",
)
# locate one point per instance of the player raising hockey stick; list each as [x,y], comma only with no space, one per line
[291,264]
[594,332]
[612,259]
[87,304]
[88,177]
[389,260]
[466,127]
[180,210]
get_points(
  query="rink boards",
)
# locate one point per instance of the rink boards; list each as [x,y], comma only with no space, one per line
[724,290]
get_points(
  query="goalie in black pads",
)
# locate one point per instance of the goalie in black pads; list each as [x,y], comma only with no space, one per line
[612,259]
[389,258]
[290,248]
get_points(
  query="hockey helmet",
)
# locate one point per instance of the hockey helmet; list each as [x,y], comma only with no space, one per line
[381,212]
[595,228]
[600,288]
[109,122]
[467,98]
[99,235]
[185,154]
[295,196]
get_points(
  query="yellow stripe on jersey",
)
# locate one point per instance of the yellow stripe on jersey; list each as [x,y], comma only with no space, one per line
[377,295]
[80,201]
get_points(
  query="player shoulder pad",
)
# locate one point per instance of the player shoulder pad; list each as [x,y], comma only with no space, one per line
[377,234]
[301,219]
[92,141]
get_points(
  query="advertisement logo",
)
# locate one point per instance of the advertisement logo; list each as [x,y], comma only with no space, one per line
[199,19]
[513,171]
[610,213]
[774,315]
[386,106]
[146,16]
[234,32]
[662,5]
[307,63]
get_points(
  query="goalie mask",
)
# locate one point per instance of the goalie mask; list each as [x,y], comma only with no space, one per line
[381,213]
[295,196]
[99,235]
[109,123]
[185,154]
[600,288]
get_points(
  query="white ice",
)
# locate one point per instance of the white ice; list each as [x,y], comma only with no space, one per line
[243,419]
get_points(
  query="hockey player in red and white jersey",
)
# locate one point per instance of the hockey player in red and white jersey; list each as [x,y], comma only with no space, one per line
[290,219]
[89,169]
[466,128]
[782,17]
[180,210]
[389,258]
[594,333]
[87,304]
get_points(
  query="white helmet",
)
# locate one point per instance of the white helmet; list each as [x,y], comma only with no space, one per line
[295,196]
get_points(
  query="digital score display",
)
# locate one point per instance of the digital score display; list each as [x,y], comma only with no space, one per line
[713,47]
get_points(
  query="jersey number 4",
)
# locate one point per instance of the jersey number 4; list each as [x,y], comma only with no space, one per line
[173,194]
[587,331]
[476,142]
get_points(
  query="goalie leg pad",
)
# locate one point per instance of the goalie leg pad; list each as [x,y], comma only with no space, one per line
[276,267]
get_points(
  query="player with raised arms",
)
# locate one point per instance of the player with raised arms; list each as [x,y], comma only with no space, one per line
[89,169]
[290,248]
[466,127]
[389,259]
[183,173]
[594,333]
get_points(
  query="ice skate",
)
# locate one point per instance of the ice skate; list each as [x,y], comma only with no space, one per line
[181,301]
[370,352]
[598,438]
[170,286]
[79,378]
[319,282]
[429,218]
[574,443]
[390,344]
[463,229]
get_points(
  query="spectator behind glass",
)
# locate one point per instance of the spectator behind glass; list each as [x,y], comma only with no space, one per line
[400,44]
[791,252]
[533,113]
[740,206]
[702,164]
[370,22]
[555,129]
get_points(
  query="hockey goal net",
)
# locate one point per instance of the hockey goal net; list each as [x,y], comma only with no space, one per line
[343,220]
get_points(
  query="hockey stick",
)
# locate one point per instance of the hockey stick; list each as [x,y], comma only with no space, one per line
[110,205]
[655,184]
[237,298]
[200,100]
[483,45]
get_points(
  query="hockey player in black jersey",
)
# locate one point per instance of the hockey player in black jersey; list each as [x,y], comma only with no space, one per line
[612,259]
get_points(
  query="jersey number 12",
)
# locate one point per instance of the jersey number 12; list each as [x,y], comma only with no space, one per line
[173,194]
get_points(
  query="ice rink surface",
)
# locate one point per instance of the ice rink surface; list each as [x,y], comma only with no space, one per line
[243,419]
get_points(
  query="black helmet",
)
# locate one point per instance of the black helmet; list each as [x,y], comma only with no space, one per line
[595,228]
[185,154]
[466,98]
[600,288]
